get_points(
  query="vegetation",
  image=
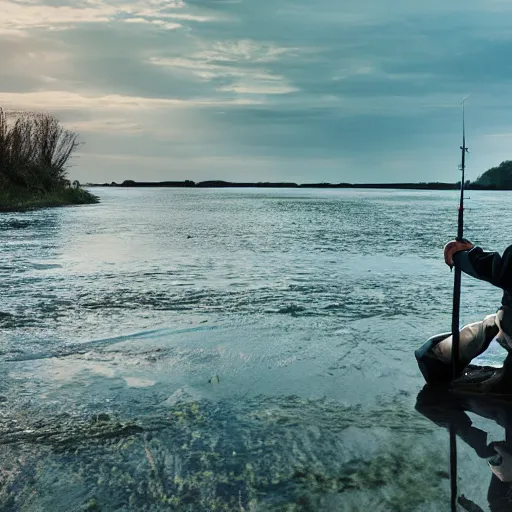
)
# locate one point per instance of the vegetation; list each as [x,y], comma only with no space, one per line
[35,150]
[499,178]
[230,184]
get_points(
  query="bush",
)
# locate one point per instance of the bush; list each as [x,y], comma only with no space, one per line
[15,198]
[35,150]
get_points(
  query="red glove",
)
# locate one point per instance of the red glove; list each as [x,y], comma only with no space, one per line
[455,246]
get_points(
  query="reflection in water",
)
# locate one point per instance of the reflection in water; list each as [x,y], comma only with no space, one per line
[450,411]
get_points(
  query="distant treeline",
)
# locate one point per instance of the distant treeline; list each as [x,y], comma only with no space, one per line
[497,178]
[265,184]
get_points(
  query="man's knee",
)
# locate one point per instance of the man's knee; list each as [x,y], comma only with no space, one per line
[504,321]
[473,340]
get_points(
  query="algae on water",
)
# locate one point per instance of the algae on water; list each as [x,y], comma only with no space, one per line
[205,456]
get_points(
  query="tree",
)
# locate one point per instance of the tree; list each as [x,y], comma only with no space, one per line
[35,150]
[497,177]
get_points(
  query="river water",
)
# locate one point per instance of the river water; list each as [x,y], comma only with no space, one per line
[233,349]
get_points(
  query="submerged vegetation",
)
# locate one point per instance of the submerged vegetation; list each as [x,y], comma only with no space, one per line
[283,455]
[35,151]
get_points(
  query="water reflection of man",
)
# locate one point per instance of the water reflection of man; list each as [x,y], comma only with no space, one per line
[452,412]
[434,357]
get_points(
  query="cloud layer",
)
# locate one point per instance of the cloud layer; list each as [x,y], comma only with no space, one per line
[244,90]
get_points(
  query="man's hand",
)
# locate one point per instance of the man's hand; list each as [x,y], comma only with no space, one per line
[455,246]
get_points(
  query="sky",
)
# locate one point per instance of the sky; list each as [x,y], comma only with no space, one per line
[260,90]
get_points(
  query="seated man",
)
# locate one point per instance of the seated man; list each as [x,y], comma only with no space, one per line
[435,356]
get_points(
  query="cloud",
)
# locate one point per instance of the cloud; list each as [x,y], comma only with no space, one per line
[239,67]
[360,90]
[157,23]
[63,100]
[21,16]
[105,125]
[259,88]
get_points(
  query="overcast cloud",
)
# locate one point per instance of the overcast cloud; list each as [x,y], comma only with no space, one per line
[360,90]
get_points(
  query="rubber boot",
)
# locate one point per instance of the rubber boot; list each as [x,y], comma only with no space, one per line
[435,372]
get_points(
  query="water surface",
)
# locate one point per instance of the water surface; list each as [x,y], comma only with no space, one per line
[232,349]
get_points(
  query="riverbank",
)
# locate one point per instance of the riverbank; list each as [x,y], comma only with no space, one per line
[17,199]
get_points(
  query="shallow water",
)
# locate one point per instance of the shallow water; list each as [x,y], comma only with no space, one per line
[232,349]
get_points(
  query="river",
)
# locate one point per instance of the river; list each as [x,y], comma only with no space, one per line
[232,349]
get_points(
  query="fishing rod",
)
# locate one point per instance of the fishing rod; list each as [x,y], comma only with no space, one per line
[460,237]
[456,314]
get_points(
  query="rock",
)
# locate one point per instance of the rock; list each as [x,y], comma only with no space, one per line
[102,417]
[214,380]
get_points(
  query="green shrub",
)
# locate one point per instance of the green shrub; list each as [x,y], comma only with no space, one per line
[35,151]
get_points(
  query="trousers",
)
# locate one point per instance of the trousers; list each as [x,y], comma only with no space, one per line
[475,338]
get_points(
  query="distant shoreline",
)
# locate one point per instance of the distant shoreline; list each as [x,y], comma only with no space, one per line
[229,184]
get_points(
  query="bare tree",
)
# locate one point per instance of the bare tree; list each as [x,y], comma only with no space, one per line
[35,150]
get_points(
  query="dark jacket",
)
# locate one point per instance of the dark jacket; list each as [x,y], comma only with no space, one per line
[490,267]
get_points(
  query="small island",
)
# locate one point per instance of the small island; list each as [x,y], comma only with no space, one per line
[35,150]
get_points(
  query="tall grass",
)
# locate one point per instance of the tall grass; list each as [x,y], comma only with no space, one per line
[35,152]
